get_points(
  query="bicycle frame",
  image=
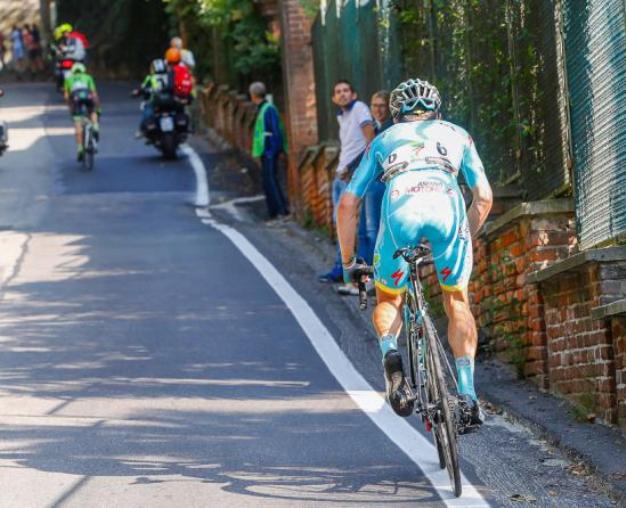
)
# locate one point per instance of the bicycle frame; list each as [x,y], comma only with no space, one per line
[415,307]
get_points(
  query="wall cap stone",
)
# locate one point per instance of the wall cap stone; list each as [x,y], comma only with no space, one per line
[612,309]
[577,261]
[528,209]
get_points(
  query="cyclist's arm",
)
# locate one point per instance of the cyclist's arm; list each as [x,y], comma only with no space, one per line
[92,88]
[475,177]
[348,211]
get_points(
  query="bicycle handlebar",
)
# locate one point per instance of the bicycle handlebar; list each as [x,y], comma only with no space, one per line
[361,275]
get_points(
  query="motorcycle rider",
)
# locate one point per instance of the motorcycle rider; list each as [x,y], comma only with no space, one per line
[154,89]
[80,90]
[69,47]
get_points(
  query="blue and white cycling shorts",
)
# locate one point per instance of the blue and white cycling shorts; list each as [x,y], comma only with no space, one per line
[417,206]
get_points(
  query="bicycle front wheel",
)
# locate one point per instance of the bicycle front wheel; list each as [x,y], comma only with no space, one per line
[444,425]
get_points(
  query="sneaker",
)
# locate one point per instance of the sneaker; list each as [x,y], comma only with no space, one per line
[398,392]
[347,289]
[335,275]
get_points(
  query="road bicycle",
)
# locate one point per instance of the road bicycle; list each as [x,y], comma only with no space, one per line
[90,143]
[431,378]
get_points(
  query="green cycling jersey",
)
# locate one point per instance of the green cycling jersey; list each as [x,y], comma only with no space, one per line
[79,82]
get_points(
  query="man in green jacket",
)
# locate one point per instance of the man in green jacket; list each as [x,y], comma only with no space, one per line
[268,143]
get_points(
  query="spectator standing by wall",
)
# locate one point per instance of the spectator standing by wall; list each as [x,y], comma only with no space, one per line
[369,222]
[268,143]
[35,52]
[356,130]
[18,50]
[2,51]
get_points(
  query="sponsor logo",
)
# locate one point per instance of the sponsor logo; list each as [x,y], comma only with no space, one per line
[395,194]
[396,276]
[446,272]
[424,187]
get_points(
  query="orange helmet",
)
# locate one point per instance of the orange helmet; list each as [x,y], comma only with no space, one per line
[172,55]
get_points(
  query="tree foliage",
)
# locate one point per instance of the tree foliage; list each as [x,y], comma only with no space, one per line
[239,32]
[124,34]
[484,57]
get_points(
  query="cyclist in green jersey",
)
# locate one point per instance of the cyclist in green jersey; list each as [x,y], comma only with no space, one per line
[80,93]
[154,89]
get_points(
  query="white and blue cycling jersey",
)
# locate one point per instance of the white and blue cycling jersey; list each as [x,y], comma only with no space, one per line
[420,162]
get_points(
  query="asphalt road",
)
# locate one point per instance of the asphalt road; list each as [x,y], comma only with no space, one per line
[145,361]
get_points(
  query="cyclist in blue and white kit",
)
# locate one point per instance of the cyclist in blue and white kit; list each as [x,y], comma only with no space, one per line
[419,159]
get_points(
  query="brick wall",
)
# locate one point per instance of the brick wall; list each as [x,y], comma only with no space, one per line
[585,344]
[227,116]
[618,332]
[579,348]
[299,80]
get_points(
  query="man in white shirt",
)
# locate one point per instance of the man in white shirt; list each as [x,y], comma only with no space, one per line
[356,130]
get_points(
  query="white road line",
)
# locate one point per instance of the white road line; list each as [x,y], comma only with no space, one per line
[231,205]
[202,185]
[419,449]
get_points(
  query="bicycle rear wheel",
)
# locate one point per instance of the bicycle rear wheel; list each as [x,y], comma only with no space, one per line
[444,427]
[88,158]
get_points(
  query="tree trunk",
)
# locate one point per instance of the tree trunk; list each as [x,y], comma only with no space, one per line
[46,29]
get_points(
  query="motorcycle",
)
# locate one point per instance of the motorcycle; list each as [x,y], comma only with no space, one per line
[62,66]
[168,127]
[4,132]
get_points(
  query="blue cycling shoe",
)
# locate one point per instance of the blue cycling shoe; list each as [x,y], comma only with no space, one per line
[335,275]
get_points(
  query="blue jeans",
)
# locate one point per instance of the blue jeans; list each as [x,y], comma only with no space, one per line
[276,202]
[370,221]
[338,187]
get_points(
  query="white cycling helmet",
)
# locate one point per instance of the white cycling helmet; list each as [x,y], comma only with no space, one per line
[158,66]
[412,95]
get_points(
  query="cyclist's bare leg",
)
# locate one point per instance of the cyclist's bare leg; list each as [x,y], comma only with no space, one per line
[387,319]
[463,340]
[78,127]
[387,316]
[462,335]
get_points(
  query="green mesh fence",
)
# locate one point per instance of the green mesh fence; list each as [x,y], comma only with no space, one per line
[357,43]
[494,61]
[596,64]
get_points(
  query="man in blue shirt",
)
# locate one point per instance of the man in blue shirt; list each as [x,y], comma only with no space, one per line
[268,143]
[419,159]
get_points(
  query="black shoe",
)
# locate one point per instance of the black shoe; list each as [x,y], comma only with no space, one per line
[471,417]
[398,391]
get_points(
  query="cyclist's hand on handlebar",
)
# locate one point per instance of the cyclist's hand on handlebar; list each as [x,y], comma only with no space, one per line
[353,271]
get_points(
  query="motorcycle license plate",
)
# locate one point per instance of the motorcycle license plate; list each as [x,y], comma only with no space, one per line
[167,124]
